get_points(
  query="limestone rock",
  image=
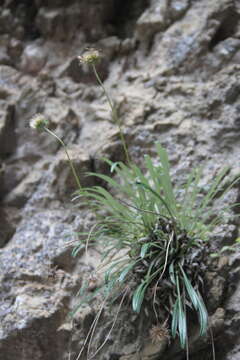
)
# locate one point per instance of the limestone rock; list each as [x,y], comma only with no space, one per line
[53,22]
[177,8]
[34,58]
[6,228]
[159,16]
[110,46]
[22,192]
[1,180]
[7,131]
[153,20]
[6,20]
[172,70]
[15,48]
[4,58]
[9,78]
[34,296]
[63,22]
[63,182]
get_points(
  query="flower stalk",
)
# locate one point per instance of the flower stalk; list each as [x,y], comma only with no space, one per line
[40,123]
[68,157]
[92,57]
[114,113]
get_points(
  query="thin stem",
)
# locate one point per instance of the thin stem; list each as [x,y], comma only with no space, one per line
[212,341]
[114,115]
[113,324]
[68,157]
[102,86]
[92,328]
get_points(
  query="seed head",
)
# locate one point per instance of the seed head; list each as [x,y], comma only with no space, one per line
[91,56]
[38,122]
[159,333]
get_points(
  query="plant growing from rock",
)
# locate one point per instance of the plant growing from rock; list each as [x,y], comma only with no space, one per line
[155,238]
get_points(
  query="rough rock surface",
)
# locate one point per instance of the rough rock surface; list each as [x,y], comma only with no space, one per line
[172,68]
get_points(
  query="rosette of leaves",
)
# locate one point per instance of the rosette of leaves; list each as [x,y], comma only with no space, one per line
[155,238]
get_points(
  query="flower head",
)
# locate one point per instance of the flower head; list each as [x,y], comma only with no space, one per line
[91,56]
[38,122]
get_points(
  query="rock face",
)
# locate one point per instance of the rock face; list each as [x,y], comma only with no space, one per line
[172,68]
[7,134]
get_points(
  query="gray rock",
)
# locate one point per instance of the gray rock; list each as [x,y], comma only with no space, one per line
[1,180]
[63,22]
[110,46]
[50,22]
[174,78]
[7,131]
[63,182]
[9,84]
[33,59]
[178,8]
[19,195]
[15,49]
[7,229]
[159,16]
[6,19]
[4,58]
[153,20]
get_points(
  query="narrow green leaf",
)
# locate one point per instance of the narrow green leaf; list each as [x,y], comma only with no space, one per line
[190,290]
[226,248]
[144,249]
[108,272]
[157,195]
[182,322]
[203,316]
[138,297]
[77,249]
[113,166]
[125,272]
[182,326]
[128,190]
[191,192]
[175,319]
[165,177]
[153,174]
[171,273]
[214,255]
[214,188]
[198,304]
